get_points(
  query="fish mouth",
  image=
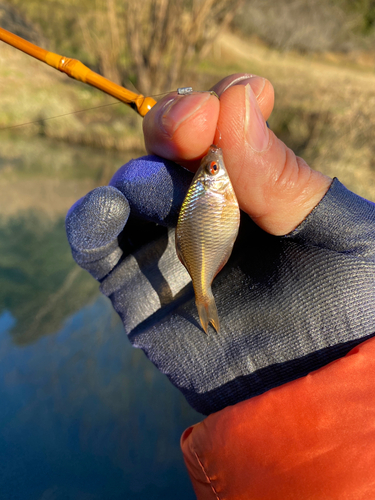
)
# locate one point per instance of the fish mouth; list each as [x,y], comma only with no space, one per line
[213,147]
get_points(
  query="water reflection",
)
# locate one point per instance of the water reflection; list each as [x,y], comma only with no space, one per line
[83,415]
[40,285]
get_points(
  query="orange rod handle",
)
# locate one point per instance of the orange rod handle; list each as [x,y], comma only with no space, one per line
[75,69]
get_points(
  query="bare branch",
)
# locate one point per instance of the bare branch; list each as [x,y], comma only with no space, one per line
[163,37]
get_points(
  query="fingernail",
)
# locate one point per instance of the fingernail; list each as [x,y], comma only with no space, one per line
[179,108]
[257,83]
[256,131]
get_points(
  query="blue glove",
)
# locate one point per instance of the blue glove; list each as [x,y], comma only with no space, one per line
[287,305]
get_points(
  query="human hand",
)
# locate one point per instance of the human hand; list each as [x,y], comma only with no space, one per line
[274,187]
[287,305]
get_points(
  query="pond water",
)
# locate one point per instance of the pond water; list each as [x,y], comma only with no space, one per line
[83,415]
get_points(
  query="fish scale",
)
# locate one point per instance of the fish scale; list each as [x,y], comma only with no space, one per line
[206,230]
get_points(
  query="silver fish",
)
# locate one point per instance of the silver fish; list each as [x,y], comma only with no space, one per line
[206,230]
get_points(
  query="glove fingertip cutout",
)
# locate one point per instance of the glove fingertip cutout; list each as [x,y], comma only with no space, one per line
[154,187]
[94,222]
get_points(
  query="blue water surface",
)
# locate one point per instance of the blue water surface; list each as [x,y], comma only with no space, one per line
[85,416]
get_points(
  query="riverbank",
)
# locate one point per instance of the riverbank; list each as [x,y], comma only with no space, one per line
[48,103]
[323,107]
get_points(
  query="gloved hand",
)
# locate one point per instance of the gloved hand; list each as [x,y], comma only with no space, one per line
[298,291]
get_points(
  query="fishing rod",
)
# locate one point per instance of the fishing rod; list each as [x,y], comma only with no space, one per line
[77,70]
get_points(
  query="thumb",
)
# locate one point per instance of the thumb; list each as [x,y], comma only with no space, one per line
[273,185]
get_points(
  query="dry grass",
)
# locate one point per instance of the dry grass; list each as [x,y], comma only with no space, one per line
[323,110]
[33,92]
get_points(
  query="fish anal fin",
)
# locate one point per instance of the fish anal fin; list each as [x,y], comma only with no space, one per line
[225,258]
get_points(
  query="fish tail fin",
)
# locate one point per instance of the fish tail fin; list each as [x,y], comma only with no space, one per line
[213,315]
[208,314]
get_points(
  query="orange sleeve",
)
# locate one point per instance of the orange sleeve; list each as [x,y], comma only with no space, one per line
[310,439]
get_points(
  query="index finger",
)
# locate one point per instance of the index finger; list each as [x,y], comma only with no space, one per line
[182,128]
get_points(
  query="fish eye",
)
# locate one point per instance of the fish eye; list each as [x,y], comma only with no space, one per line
[213,168]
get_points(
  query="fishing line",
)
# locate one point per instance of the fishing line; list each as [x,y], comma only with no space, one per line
[60,116]
[180,91]
[72,113]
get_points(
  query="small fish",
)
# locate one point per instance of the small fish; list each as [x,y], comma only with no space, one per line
[206,230]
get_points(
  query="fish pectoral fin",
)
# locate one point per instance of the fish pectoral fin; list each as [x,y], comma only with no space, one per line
[208,314]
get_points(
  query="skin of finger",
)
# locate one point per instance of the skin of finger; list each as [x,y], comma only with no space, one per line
[193,137]
[275,187]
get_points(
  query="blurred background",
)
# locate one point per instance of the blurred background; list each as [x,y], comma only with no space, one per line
[83,415]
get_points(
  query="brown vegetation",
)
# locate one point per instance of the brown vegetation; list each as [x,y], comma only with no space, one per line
[323,111]
[323,104]
[150,43]
[310,26]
